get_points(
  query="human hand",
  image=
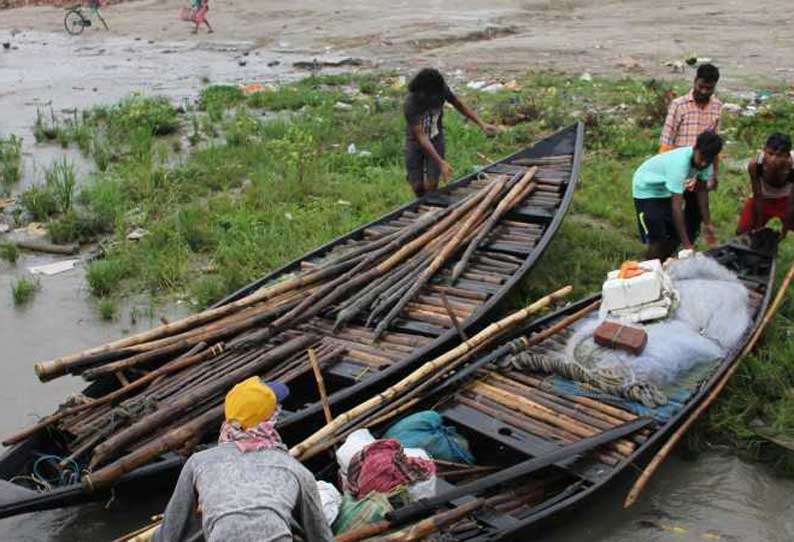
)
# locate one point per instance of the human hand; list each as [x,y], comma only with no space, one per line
[709,235]
[690,184]
[446,170]
[712,184]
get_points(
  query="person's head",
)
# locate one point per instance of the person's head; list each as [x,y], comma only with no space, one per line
[705,82]
[777,152]
[252,402]
[429,87]
[707,147]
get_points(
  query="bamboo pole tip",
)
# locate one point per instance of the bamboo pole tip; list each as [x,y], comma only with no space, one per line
[46,370]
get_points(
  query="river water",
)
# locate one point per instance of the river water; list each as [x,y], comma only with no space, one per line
[717,497]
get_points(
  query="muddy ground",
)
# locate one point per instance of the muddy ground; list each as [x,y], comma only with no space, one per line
[752,45]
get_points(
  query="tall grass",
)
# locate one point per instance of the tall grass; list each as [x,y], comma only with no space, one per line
[10,160]
[24,289]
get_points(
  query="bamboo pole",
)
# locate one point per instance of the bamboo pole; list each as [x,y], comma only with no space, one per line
[665,450]
[425,370]
[318,376]
[152,421]
[48,370]
[507,203]
[441,258]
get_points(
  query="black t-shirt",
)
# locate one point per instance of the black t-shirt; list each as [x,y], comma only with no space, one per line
[431,118]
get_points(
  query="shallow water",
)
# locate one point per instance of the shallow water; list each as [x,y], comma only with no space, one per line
[716,497]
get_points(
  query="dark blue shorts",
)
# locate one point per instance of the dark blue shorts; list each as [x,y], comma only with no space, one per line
[655,220]
[418,166]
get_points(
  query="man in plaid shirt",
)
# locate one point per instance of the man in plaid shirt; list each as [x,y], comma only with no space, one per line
[689,116]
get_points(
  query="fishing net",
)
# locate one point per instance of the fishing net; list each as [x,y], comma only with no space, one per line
[711,319]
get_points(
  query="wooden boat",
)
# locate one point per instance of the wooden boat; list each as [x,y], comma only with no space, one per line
[352,364]
[543,443]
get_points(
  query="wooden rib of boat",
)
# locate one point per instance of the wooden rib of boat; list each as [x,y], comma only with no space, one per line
[353,363]
[542,449]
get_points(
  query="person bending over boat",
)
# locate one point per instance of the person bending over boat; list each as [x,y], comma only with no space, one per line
[687,117]
[658,188]
[248,486]
[772,178]
[424,138]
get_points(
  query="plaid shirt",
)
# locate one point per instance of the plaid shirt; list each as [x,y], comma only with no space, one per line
[686,120]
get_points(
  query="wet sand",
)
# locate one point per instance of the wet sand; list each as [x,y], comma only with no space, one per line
[498,37]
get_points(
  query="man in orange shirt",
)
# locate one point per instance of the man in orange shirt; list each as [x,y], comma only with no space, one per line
[687,117]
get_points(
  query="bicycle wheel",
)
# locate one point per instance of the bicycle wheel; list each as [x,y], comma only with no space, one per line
[74,22]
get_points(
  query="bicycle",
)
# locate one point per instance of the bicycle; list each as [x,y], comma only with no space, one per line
[76,18]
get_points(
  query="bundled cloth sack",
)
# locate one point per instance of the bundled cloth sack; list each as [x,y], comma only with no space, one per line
[355,513]
[383,466]
[331,500]
[426,430]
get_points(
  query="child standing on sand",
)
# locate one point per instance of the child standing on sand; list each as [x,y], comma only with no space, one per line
[201,8]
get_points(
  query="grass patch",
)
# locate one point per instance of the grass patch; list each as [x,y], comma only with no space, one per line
[10,160]
[107,309]
[24,289]
[9,252]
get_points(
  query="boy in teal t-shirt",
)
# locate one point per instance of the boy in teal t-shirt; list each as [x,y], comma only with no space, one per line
[658,187]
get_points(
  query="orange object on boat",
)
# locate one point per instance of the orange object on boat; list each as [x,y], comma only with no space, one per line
[630,269]
[253,87]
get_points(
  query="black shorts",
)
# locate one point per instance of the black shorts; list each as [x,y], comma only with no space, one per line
[417,165]
[655,220]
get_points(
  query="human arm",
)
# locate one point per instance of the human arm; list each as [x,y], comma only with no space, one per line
[788,218]
[428,148]
[679,222]
[713,181]
[179,519]
[472,115]
[755,183]
[702,196]
[670,129]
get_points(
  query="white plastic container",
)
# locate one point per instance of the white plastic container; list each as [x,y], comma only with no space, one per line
[622,293]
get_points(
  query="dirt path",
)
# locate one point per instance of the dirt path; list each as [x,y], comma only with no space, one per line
[752,45]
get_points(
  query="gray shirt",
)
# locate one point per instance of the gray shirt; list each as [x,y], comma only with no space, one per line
[244,497]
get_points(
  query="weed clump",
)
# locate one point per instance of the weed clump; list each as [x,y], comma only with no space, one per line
[107,309]
[10,160]
[24,289]
[105,276]
[9,252]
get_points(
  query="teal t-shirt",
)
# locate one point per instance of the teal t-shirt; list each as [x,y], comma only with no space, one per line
[663,175]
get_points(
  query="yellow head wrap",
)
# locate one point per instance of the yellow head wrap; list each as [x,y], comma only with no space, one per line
[250,402]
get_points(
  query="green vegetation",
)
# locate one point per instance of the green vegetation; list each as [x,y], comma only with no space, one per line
[9,252]
[10,161]
[24,289]
[107,309]
[269,177]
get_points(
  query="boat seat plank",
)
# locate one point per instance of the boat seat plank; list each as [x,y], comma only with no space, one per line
[499,431]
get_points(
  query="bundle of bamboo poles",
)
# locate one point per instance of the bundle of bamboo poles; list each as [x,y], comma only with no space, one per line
[430,373]
[173,378]
[384,404]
